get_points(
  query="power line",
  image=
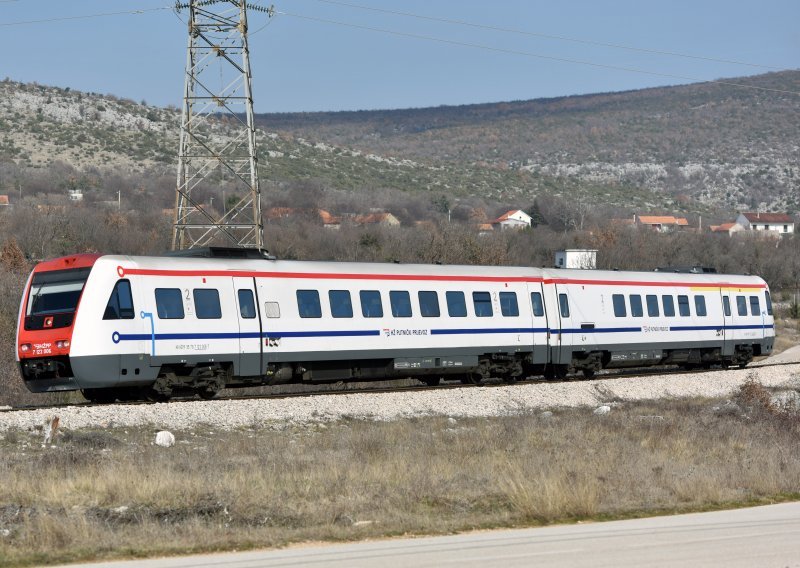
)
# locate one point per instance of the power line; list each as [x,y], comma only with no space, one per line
[547,36]
[85,17]
[534,55]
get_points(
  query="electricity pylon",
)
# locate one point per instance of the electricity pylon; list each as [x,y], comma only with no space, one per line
[218,138]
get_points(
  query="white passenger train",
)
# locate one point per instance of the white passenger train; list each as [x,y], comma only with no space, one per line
[125,327]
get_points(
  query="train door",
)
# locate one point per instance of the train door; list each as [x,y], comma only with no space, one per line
[727,324]
[562,355]
[251,346]
[539,323]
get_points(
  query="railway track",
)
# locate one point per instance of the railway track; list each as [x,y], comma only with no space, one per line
[491,383]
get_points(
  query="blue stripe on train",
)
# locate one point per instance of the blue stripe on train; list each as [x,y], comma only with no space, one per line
[375,332]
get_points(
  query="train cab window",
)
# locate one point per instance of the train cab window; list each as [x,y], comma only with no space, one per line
[247,304]
[120,304]
[700,305]
[169,303]
[619,305]
[769,303]
[652,305]
[456,304]
[206,303]
[508,304]
[563,304]
[371,306]
[755,307]
[401,304]
[669,306]
[428,304]
[726,306]
[683,306]
[308,304]
[741,305]
[341,305]
[536,304]
[636,306]
[482,302]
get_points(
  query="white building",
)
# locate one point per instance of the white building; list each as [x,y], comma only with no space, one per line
[514,219]
[75,195]
[775,223]
[585,259]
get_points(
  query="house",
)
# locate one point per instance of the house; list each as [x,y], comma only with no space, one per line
[731,228]
[661,223]
[4,201]
[514,219]
[329,221]
[75,195]
[383,219]
[585,259]
[776,223]
[485,229]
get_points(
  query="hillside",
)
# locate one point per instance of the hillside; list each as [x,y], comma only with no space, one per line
[45,127]
[713,144]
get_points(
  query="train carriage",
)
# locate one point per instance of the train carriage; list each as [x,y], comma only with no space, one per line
[125,327]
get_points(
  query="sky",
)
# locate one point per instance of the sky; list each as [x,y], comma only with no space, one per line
[301,64]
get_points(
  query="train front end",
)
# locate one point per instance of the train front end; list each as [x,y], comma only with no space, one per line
[46,321]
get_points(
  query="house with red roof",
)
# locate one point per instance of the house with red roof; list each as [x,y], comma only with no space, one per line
[383,219]
[662,223]
[4,201]
[774,224]
[731,228]
[514,219]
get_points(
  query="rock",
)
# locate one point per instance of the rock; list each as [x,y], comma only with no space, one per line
[788,400]
[601,410]
[5,532]
[546,414]
[165,439]
[452,421]
[363,523]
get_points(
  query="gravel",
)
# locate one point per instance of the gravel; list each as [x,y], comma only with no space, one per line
[459,402]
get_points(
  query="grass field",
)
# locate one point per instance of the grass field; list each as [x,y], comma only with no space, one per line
[113,494]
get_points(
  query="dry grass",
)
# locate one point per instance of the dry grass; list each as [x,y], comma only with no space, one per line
[113,494]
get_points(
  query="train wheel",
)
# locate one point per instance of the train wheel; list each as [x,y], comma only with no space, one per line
[431,381]
[207,394]
[99,396]
[588,373]
[472,379]
[561,371]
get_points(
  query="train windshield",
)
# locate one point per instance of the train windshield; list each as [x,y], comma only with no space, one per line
[54,294]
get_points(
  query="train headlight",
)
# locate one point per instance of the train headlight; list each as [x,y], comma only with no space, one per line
[25,347]
[62,343]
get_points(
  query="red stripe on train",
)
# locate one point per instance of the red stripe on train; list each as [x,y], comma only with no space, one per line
[424,277]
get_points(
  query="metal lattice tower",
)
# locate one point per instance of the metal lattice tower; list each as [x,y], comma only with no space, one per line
[218,139]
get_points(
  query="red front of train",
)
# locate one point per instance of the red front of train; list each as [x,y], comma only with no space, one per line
[46,321]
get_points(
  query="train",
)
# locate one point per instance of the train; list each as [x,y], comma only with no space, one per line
[154,327]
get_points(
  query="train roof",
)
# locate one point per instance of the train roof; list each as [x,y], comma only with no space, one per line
[166,265]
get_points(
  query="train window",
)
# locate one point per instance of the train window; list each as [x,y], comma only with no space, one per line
[272,309]
[683,306]
[308,304]
[482,301]
[636,306]
[563,304]
[120,304]
[537,304]
[456,304]
[508,304]
[769,303]
[371,306]
[669,306]
[619,305]
[341,305]
[741,305]
[700,305]
[652,305]
[206,303]
[755,307]
[428,304]
[726,306]
[401,304]
[247,304]
[169,303]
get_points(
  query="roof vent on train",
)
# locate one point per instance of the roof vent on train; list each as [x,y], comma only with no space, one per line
[687,269]
[222,252]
